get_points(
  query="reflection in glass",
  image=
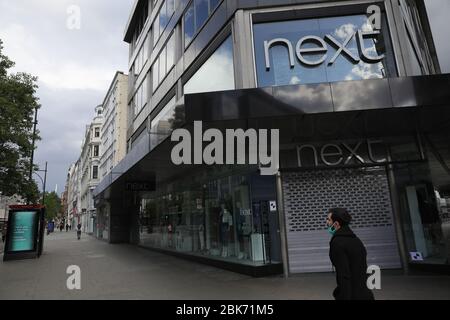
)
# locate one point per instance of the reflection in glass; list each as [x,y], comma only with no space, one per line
[201,12]
[170,47]
[189,25]
[163,18]
[221,65]
[338,64]
[156,30]
[213,4]
[162,65]
[214,219]
[164,123]
[155,74]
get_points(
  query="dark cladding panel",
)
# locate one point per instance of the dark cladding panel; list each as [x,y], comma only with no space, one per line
[420,91]
[215,106]
[315,98]
[361,95]
[319,98]
[403,92]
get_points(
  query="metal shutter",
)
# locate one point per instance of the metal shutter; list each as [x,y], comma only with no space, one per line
[364,192]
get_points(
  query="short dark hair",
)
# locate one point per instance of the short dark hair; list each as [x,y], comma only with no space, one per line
[341,215]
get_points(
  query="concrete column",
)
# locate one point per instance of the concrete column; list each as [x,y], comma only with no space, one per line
[243,51]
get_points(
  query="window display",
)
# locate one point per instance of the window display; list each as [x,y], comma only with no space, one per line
[214,219]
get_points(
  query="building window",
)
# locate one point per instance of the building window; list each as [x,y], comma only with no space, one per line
[95,172]
[168,119]
[189,25]
[164,63]
[201,12]
[163,18]
[313,52]
[196,16]
[141,23]
[141,57]
[221,65]
[96,151]
[140,99]
[97,132]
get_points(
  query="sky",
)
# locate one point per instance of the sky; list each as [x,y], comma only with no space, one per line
[76,65]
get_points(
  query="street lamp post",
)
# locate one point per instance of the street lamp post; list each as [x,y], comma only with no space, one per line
[42,218]
[44,181]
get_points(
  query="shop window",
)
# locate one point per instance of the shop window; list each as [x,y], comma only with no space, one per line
[221,65]
[215,219]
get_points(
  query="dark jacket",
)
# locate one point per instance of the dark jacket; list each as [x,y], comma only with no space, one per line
[348,256]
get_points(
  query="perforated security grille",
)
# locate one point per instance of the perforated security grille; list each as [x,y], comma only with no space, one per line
[308,196]
[364,192]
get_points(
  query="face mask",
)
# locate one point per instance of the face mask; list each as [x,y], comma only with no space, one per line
[332,230]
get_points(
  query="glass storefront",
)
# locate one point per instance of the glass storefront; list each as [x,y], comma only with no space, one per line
[216,219]
[424,195]
[103,222]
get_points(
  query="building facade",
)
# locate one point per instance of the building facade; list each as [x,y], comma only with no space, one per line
[113,138]
[89,171]
[114,129]
[355,91]
[73,195]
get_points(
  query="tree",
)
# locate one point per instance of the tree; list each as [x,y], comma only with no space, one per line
[17,107]
[52,205]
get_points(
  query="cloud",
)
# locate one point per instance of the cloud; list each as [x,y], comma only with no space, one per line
[75,68]
[345,31]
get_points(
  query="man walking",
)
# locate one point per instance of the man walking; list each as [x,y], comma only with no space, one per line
[348,256]
[79,231]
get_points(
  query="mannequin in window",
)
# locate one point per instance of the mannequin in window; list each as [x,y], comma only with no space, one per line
[226,223]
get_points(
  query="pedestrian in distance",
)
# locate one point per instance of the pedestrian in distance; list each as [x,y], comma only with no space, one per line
[67,227]
[79,231]
[349,258]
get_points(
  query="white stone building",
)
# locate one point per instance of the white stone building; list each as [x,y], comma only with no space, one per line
[89,170]
[114,130]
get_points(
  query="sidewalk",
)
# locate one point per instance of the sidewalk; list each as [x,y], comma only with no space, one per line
[129,272]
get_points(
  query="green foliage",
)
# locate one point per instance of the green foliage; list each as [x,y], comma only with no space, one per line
[52,205]
[17,106]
